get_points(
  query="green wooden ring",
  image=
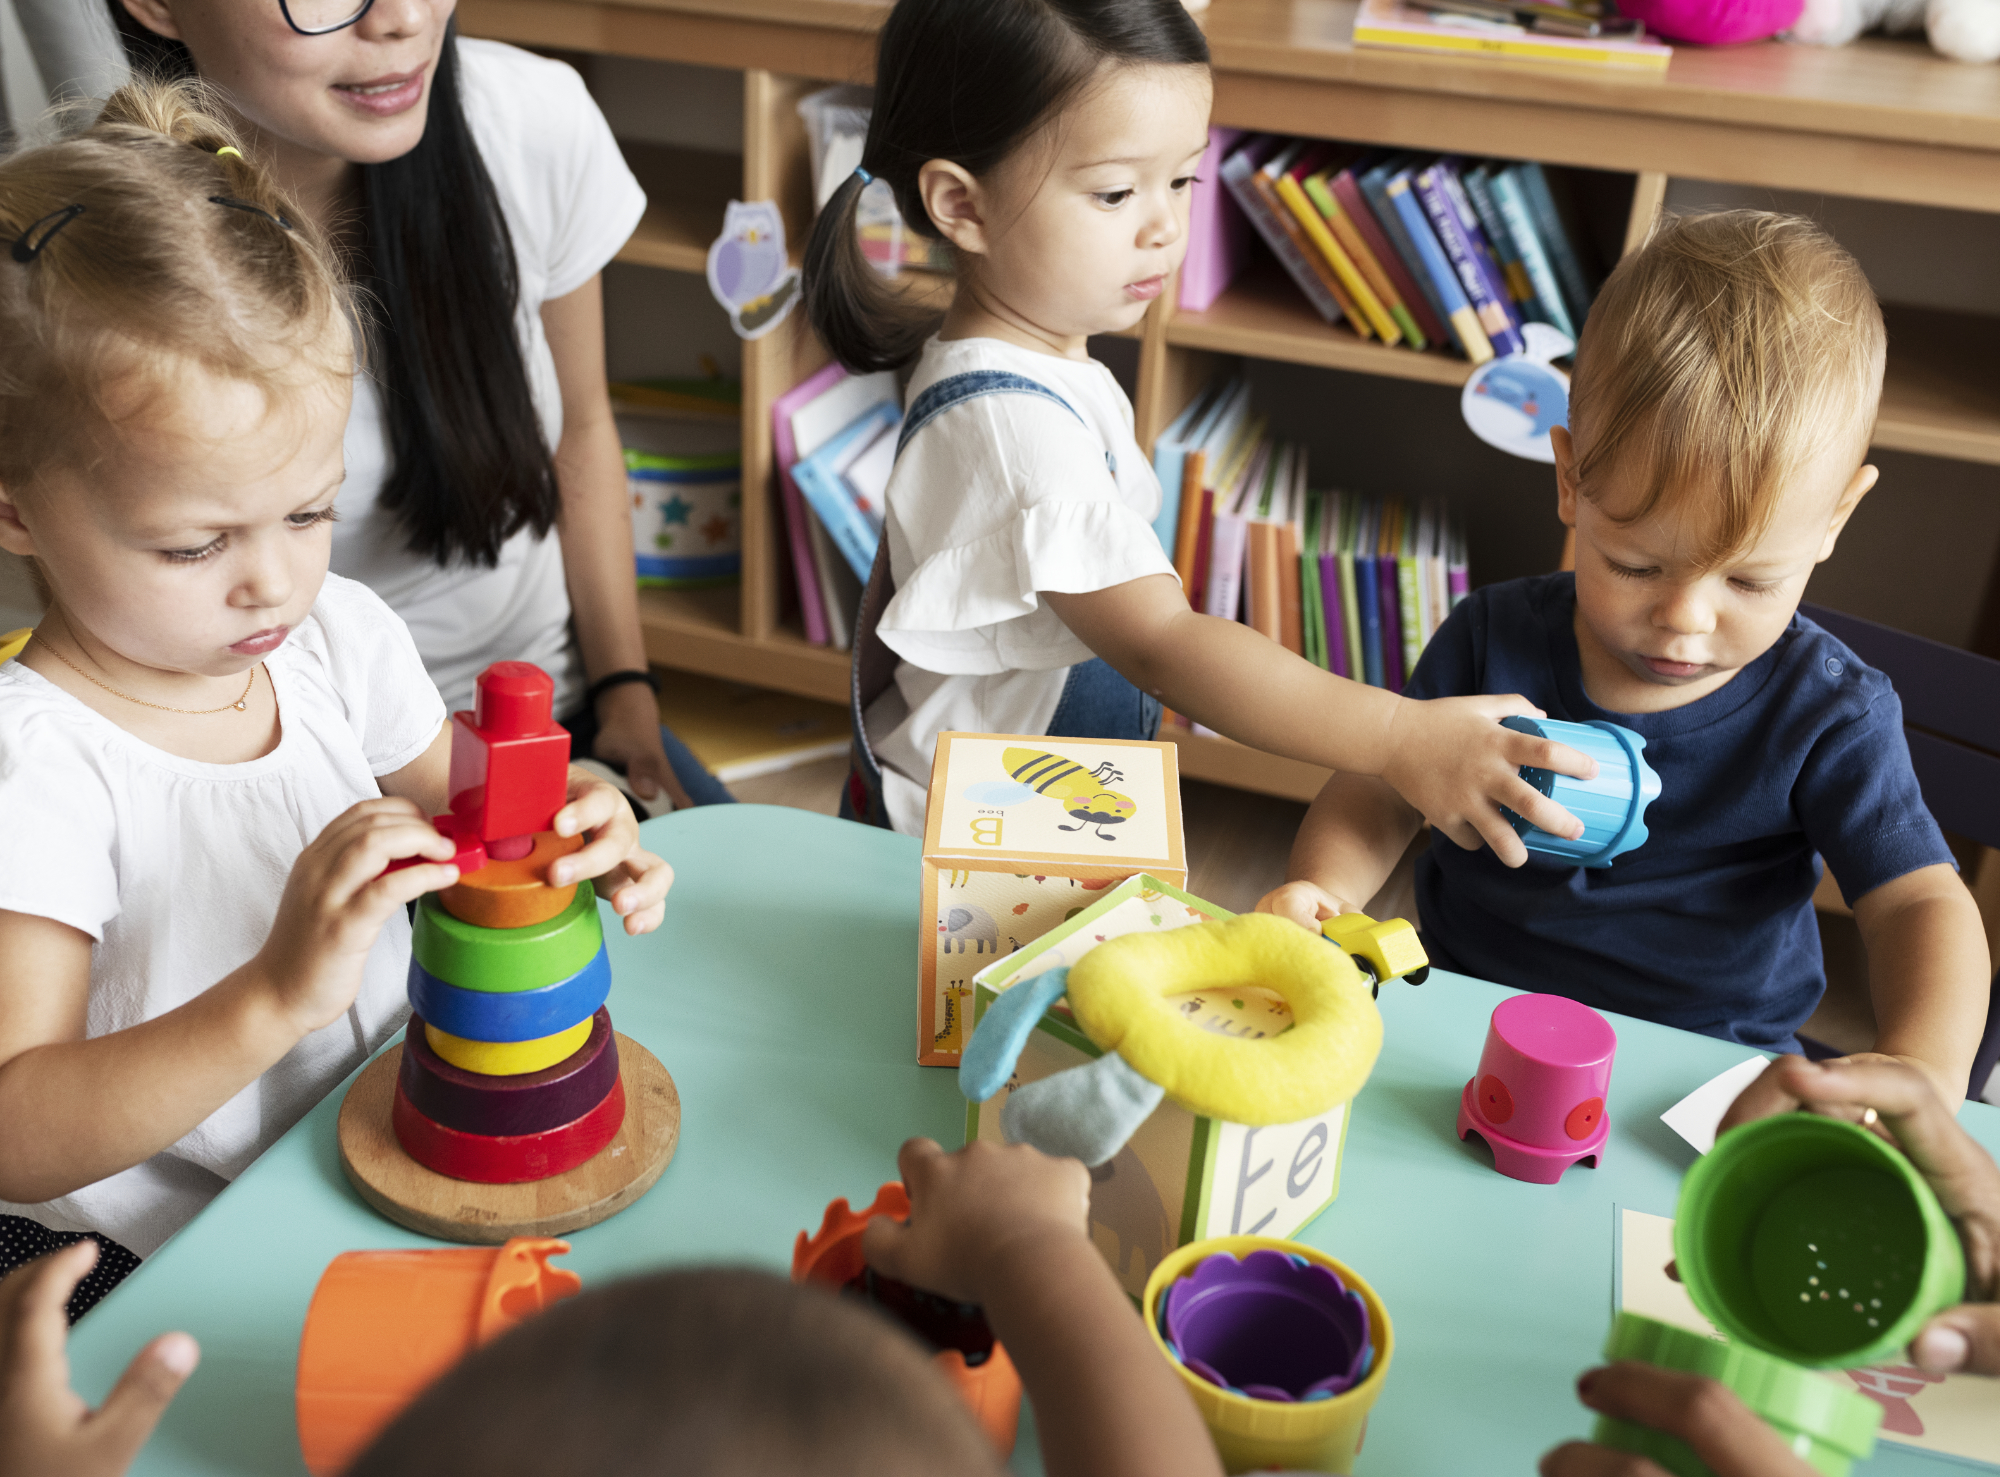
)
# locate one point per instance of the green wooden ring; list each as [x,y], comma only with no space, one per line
[505,959]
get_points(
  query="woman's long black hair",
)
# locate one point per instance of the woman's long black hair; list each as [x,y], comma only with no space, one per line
[468,465]
[969,81]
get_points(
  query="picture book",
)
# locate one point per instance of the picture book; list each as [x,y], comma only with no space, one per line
[1346,188]
[1265,183]
[1512,203]
[1219,233]
[1457,306]
[1412,28]
[1239,176]
[1374,183]
[1578,289]
[1319,190]
[1494,319]
[820,478]
[1291,189]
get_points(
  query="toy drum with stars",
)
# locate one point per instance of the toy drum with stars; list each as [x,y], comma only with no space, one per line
[510,1073]
[1538,1098]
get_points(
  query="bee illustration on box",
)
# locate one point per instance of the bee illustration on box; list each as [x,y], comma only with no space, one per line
[1084,794]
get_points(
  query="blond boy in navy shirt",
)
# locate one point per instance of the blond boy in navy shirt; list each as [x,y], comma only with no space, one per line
[1725,391]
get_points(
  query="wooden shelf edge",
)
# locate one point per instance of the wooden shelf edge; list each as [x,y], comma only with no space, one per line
[1924,440]
[782,663]
[1223,761]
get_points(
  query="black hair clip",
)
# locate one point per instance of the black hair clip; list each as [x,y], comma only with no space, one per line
[28,246]
[234,204]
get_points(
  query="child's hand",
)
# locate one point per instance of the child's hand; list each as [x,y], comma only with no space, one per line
[45,1428]
[632,880]
[1453,762]
[1898,1101]
[337,899]
[1305,903]
[974,1209]
[1708,1416]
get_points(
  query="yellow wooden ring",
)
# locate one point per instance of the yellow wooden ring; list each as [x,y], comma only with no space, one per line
[507,1058]
[1120,992]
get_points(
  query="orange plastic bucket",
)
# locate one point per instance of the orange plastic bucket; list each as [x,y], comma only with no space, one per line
[992,1389]
[383,1324]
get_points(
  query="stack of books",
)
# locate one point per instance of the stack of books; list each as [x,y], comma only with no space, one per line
[1582,31]
[1356,585]
[835,440]
[1415,250]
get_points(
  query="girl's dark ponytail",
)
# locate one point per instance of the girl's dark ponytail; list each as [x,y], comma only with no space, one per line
[968,81]
[857,315]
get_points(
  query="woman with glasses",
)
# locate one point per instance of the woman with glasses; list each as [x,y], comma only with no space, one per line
[479,193]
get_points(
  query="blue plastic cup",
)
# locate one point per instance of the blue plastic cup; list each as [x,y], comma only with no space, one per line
[1612,807]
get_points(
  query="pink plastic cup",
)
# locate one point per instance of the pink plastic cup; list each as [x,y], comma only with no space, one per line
[1538,1100]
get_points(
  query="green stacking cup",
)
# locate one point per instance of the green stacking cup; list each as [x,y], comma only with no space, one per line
[1814,1240]
[1829,1428]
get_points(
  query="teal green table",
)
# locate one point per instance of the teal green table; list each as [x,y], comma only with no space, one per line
[781,994]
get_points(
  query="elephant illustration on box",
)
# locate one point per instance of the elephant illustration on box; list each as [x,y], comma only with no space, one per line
[965,923]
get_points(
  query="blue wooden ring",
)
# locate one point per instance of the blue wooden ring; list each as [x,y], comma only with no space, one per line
[533,1102]
[511,1015]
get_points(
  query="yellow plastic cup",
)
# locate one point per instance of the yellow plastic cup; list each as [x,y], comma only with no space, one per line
[1253,1435]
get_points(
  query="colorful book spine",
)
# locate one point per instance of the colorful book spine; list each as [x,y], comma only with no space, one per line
[1218,232]
[1409,594]
[1506,251]
[1513,207]
[1576,286]
[1350,588]
[1240,175]
[1368,594]
[1386,546]
[1313,614]
[1347,190]
[1319,191]
[1447,170]
[1458,310]
[1465,264]
[1336,623]
[1292,193]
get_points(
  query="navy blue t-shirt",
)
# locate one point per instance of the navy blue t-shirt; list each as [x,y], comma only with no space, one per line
[1709,925]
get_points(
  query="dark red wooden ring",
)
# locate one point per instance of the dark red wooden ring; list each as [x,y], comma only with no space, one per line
[533,1102]
[513,1159]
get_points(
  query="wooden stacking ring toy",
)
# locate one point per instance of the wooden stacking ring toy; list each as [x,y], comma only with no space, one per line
[1122,995]
[383,1324]
[510,1015]
[535,1102]
[507,1058]
[507,1159]
[516,893]
[475,958]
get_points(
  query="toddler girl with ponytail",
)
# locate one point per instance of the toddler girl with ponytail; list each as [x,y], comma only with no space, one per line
[1051,144]
[211,748]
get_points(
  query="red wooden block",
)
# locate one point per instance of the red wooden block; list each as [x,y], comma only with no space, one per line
[509,757]
[469,858]
[512,1160]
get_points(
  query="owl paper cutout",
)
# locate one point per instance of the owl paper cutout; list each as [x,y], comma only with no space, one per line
[749,271]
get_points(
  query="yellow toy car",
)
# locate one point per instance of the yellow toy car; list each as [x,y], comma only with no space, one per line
[1383,951]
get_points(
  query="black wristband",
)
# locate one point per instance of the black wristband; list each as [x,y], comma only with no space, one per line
[610,680]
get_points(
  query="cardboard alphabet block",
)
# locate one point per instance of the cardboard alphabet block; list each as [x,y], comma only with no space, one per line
[1020,834]
[1181,1177]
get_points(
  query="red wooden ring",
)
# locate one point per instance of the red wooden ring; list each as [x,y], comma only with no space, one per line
[513,1159]
[533,1102]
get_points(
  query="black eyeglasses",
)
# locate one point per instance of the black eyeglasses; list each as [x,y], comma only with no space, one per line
[322,17]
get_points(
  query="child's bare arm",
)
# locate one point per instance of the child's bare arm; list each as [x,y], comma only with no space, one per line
[1007,1228]
[1928,973]
[64,1130]
[1449,757]
[1351,840]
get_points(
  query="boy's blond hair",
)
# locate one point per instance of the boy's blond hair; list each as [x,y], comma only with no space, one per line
[179,255]
[1726,352]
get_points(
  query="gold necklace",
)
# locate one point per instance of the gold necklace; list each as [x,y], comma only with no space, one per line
[240,705]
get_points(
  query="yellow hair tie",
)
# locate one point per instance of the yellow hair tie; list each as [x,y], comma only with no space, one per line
[231,151]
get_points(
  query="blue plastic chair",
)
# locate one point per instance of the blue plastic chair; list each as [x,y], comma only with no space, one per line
[1950,702]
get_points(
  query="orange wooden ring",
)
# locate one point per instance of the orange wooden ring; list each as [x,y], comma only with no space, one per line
[515,1158]
[514,894]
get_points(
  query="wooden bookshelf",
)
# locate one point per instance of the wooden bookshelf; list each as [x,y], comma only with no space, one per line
[1881,119]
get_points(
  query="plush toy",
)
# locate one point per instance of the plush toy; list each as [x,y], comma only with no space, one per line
[1964,30]
[1716,22]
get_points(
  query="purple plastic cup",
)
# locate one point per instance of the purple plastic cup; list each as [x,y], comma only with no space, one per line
[1272,1326]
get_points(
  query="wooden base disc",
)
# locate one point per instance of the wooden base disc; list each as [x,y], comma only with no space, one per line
[456,1210]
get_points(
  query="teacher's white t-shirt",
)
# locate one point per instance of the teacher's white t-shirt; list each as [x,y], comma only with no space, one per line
[570,203]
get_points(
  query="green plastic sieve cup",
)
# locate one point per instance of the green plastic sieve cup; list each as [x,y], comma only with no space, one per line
[1816,1241]
[1828,1427]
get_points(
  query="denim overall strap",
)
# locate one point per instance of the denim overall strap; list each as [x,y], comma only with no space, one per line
[861,797]
[956,389]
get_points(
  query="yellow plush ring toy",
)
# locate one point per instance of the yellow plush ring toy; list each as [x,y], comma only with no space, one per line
[1121,994]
